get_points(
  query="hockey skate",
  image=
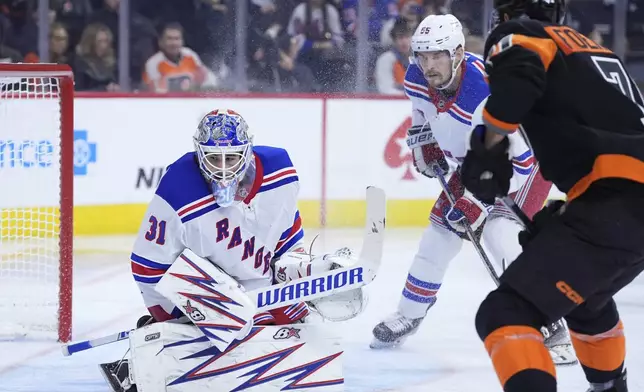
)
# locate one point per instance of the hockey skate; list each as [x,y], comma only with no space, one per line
[117,375]
[557,340]
[618,385]
[393,331]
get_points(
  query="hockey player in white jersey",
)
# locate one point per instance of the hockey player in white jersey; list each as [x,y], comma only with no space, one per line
[447,89]
[235,205]
[228,201]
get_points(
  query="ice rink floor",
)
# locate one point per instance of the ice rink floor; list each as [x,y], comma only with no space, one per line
[445,355]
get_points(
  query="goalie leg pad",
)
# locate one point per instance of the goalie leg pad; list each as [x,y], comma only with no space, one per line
[171,357]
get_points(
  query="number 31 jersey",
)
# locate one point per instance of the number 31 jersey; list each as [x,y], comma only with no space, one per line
[241,239]
[580,109]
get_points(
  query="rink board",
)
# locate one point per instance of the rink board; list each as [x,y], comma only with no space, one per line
[339,146]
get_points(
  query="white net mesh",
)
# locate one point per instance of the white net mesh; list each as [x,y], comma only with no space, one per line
[30,123]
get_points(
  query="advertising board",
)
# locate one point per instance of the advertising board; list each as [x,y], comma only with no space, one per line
[123,144]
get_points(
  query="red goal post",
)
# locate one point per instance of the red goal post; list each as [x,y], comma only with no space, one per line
[36,200]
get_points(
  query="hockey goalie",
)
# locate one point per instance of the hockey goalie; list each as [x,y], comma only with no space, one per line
[224,221]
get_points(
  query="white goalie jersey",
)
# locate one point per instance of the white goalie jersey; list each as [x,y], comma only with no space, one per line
[241,239]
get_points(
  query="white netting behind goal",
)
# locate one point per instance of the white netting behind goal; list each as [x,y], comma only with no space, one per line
[30,187]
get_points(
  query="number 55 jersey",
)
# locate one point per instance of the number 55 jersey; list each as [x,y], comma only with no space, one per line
[570,94]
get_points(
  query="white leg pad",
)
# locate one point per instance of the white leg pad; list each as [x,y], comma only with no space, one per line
[437,248]
[213,300]
[172,357]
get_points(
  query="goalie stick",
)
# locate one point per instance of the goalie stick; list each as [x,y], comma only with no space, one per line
[72,348]
[309,287]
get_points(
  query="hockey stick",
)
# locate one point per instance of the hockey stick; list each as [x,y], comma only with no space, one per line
[306,288]
[73,348]
[517,212]
[470,234]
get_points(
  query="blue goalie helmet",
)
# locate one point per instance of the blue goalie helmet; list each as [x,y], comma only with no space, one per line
[225,150]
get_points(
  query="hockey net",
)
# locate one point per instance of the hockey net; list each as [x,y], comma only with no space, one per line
[36,201]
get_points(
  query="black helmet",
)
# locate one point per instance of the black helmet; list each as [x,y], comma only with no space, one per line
[553,11]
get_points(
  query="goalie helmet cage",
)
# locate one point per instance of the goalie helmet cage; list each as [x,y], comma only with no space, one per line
[36,201]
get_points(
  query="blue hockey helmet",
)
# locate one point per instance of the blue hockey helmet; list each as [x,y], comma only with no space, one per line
[224,151]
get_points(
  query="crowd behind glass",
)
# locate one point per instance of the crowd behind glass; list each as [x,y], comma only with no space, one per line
[302,46]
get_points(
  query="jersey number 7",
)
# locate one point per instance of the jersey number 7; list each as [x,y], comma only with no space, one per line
[613,72]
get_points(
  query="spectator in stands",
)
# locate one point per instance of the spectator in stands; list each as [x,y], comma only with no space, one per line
[382,12]
[73,14]
[270,17]
[142,35]
[442,7]
[392,65]
[59,44]
[175,67]
[273,67]
[470,14]
[7,54]
[272,53]
[22,34]
[95,63]
[411,11]
[315,25]
[318,23]
[217,30]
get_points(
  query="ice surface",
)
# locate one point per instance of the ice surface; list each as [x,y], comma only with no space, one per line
[445,355]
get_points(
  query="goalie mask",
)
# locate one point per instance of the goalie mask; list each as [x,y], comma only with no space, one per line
[224,152]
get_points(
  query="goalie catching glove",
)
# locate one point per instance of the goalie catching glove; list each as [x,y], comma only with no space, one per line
[337,307]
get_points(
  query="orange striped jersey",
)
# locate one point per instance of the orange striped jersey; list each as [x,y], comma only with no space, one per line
[162,74]
[580,109]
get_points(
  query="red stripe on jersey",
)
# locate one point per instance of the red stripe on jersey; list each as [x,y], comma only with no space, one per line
[145,271]
[297,226]
[159,314]
[257,183]
[527,163]
[423,90]
[461,112]
[196,206]
[285,173]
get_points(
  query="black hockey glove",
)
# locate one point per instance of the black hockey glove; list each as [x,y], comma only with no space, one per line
[540,220]
[486,173]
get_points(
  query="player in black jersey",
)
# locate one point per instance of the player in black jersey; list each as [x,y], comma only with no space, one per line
[584,117]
